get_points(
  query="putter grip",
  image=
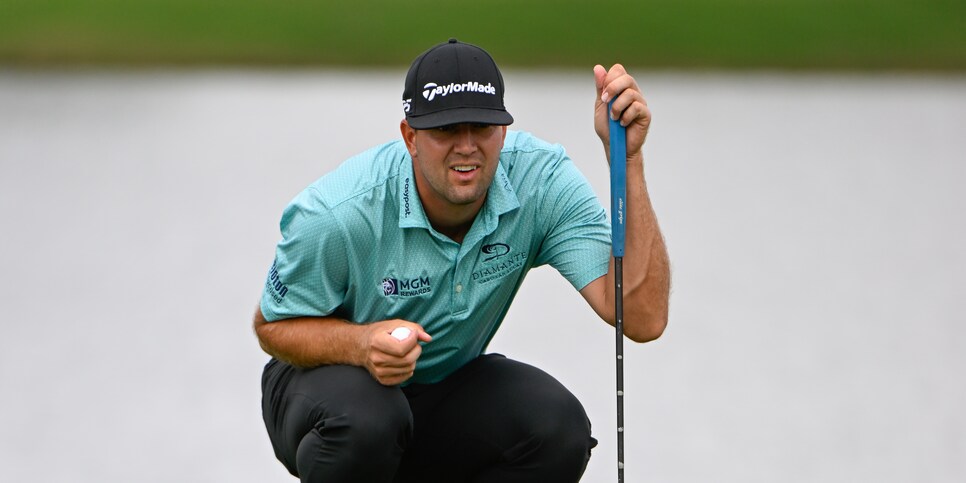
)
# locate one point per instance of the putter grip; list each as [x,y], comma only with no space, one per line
[618,182]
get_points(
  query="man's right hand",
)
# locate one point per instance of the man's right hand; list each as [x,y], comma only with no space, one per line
[392,361]
[314,341]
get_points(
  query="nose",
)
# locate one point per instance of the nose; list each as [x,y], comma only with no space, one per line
[465,139]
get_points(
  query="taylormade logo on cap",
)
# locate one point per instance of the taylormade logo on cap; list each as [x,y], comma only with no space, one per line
[431,89]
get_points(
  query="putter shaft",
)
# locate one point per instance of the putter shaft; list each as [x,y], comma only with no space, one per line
[618,195]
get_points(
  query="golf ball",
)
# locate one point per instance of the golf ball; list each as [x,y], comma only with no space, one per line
[401,332]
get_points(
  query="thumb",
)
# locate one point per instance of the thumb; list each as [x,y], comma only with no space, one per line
[599,74]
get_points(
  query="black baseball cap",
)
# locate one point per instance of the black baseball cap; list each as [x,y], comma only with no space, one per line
[453,83]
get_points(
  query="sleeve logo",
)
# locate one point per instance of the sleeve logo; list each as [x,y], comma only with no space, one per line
[274,285]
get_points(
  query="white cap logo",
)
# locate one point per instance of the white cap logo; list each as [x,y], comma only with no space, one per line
[431,89]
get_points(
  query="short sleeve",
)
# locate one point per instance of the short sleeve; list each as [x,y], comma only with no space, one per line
[577,243]
[309,274]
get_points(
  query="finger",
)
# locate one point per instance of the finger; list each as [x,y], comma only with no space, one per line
[391,376]
[405,360]
[395,340]
[413,328]
[615,82]
[600,76]
[637,112]
[392,368]
[392,362]
[623,91]
[404,330]
[629,110]
[385,343]
[412,356]
[395,379]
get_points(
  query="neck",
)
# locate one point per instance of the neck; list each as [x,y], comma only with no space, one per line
[455,233]
[456,222]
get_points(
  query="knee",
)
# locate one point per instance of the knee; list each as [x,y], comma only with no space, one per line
[380,425]
[557,442]
[369,422]
[563,426]
[354,446]
[553,419]
[356,438]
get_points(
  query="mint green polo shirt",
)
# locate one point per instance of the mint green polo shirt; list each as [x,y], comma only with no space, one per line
[357,244]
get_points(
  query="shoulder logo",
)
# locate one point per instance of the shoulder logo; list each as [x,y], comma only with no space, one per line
[274,284]
[495,250]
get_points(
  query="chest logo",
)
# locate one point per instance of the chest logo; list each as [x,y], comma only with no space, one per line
[406,287]
[499,264]
[495,250]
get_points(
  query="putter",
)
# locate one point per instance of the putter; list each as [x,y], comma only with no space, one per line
[618,205]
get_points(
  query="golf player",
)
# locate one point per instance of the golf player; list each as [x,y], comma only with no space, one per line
[395,270]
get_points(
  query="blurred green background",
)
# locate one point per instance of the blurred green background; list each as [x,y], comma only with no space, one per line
[923,35]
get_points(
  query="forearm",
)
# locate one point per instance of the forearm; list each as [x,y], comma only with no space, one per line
[312,341]
[646,268]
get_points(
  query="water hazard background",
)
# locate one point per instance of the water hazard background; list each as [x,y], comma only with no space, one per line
[814,222]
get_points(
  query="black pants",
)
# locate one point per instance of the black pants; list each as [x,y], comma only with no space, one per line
[494,420]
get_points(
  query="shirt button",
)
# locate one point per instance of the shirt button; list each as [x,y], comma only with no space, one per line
[459,288]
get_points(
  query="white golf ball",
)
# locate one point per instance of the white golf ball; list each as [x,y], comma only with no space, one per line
[401,332]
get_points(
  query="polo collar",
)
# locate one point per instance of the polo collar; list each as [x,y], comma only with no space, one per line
[411,213]
[500,199]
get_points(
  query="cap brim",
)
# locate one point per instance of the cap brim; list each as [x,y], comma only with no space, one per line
[460,115]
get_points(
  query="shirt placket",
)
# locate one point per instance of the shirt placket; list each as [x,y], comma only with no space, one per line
[460,284]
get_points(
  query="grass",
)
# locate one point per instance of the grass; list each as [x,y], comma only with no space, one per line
[685,34]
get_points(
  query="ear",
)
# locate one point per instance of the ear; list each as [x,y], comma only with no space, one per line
[409,136]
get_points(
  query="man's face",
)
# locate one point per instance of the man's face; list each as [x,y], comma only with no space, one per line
[454,165]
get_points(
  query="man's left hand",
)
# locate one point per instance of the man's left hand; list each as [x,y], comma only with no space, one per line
[629,107]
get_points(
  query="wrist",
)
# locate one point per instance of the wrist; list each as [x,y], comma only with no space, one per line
[362,335]
[635,162]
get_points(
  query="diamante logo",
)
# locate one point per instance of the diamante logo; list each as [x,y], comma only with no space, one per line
[496,250]
[431,89]
[506,265]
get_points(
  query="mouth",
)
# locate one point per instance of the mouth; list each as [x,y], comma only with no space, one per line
[464,169]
